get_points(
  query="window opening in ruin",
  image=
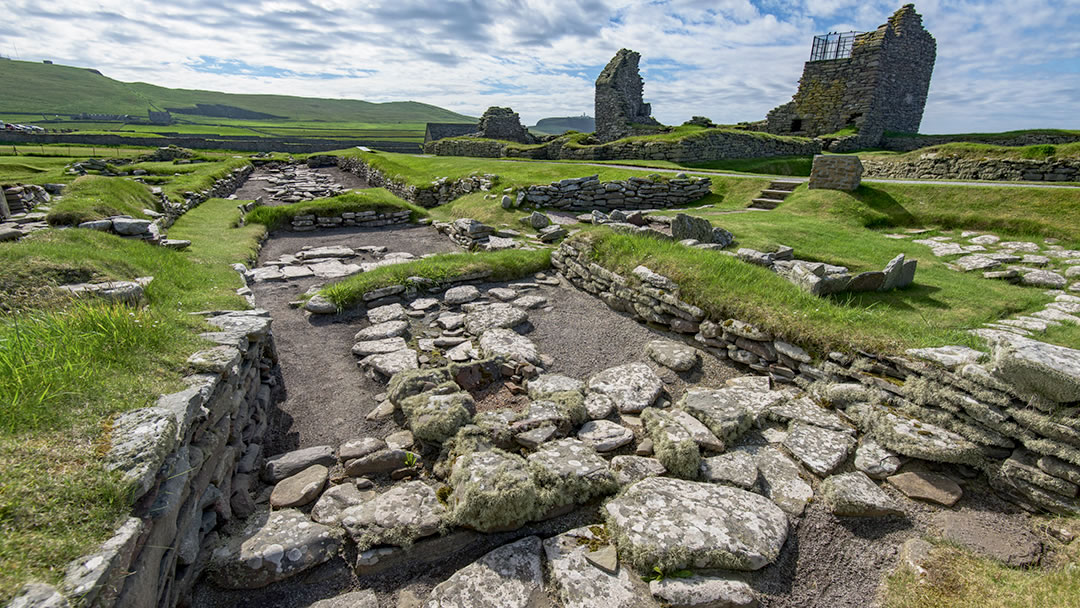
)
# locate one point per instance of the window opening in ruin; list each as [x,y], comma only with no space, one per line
[854,120]
[834,45]
[796,125]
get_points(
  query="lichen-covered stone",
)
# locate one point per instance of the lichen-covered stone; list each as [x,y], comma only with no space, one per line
[508,577]
[701,434]
[1036,367]
[803,409]
[714,591]
[492,491]
[141,439]
[781,480]
[820,450]
[398,516]
[272,547]
[569,472]
[672,355]
[728,412]
[333,502]
[673,445]
[673,524]
[951,357]
[604,435]
[735,468]
[290,463]
[299,489]
[546,384]
[376,463]
[353,599]
[631,469]
[438,414]
[874,460]
[382,331]
[494,316]
[856,495]
[414,382]
[580,584]
[910,437]
[510,345]
[632,387]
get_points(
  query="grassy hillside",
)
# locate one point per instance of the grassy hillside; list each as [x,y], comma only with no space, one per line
[35,88]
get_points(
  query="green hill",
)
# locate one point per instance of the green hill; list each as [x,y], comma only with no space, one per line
[37,88]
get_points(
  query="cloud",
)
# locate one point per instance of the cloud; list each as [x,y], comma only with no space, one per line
[1000,65]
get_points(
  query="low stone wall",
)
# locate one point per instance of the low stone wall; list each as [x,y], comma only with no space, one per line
[21,198]
[364,219]
[940,405]
[933,166]
[222,188]
[711,145]
[217,142]
[589,193]
[192,460]
[440,192]
[908,144]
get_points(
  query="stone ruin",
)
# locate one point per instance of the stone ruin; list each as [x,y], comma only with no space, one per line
[504,124]
[619,104]
[873,81]
[835,172]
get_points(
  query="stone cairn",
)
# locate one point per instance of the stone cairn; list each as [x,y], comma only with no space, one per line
[618,101]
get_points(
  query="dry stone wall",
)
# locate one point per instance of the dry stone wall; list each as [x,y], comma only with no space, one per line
[440,192]
[1003,415]
[901,143]
[192,460]
[703,147]
[364,219]
[936,166]
[589,193]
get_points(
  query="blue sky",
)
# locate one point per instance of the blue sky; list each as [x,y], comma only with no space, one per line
[1000,65]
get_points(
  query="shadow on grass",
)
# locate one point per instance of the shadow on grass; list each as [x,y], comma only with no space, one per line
[914,297]
[886,210]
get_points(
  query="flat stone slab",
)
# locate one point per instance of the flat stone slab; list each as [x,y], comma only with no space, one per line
[509,344]
[334,269]
[460,295]
[382,331]
[398,516]
[976,261]
[672,355]
[820,450]
[728,412]
[492,491]
[300,489]
[546,384]
[856,495]
[990,537]
[604,435]
[329,251]
[1036,367]
[727,591]
[1043,278]
[335,500]
[917,439]
[930,487]
[803,409]
[632,387]
[390,312]
[504,294]
[874,460]
[494,316]
[572,470]
[631,469]
[511,576]
[530,302]
[379,347]
[675,524]
[354,599]
[735,468]
[951,357]
[702,436]
[271,548]
[782,481]
[580,584]
[393,363]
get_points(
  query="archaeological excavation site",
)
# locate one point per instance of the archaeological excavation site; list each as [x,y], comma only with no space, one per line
[507,369]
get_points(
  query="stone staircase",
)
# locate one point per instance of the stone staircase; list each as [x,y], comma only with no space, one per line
[771,197]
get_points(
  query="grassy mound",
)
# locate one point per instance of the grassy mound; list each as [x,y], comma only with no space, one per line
[92,198]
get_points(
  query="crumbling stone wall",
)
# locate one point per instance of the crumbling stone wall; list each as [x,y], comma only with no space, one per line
[618,102]
[881,87]
[909,143]
[589,193]
[440,192]
[504,124]
[937,166]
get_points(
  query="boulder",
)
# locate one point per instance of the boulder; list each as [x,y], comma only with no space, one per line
[272,547]
[508,577]
[674,524]
[856,495]
[570,472]
[1036,367]
[632,387]
[685,226]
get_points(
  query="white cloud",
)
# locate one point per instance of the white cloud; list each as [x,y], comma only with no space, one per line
[1000,65]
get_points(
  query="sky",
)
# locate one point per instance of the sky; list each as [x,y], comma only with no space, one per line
[1000,65]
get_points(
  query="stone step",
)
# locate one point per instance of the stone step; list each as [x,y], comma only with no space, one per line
[785,185]
[775,194]
[764,203]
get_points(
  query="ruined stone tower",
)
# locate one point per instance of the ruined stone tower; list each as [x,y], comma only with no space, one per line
[618,98]
[874,81]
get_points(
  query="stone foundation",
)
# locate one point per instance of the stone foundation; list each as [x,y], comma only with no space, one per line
[936,166]
[192,460]
[946,404]
[440,191]
[363,219]
[589,193]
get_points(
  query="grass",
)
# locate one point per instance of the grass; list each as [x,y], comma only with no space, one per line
[1001,135]
[374,199]
[66,367]
[980,151]
[93,197]
[34,170]
[956,578]
[201,177]
[502,266]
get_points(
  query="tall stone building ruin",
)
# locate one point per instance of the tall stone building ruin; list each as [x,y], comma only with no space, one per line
[874,81]
[618,101]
